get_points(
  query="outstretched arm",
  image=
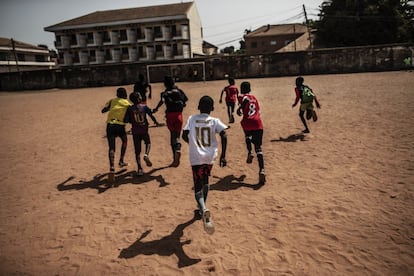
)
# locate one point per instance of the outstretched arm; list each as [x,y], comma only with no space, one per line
[318,105]
[158,105]
[107,107]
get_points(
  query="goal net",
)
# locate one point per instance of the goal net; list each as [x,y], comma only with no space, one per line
[183,71]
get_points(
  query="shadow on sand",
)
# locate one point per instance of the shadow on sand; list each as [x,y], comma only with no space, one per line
[230,182]
[166,246]
[100,181]
[291,138]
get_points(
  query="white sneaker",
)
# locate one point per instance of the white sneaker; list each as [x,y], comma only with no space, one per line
[208,222]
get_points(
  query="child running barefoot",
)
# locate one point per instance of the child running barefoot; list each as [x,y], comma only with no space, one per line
[200,133]
[136,115]
[306,96]
[252,126]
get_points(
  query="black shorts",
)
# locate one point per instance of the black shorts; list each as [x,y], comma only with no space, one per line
[115,130]
[256,136]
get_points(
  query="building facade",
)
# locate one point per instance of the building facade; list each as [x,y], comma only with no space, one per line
[18,56]
[153,33]
[277,38]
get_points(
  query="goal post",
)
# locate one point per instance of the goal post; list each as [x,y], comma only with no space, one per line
[180,71]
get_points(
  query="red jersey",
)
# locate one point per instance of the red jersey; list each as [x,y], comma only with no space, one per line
[251,112]
[231,93]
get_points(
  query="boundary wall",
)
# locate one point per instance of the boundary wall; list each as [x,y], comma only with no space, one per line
[312,62]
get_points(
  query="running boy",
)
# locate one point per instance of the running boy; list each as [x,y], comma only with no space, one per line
[306,96]
[115,127]
[136,115]
[142,87]
[175,101]
[252,126]
[231,97]
[200,133]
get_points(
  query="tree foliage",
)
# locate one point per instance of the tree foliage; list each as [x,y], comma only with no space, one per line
[364,22]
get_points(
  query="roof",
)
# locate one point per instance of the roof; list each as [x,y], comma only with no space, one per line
[208,45]
[7,42]
[275,30]
[124,15]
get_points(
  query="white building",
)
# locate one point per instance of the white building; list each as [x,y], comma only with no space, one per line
[18,56]
[164,32]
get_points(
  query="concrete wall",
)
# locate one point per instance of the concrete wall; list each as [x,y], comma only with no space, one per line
[322,61]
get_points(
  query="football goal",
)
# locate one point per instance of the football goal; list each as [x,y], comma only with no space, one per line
[182,71]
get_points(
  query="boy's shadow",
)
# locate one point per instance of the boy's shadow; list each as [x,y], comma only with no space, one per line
[165,246]
[291,138]
[100,181]
[230,182]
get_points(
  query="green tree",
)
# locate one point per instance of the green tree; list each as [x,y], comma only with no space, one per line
[364,22]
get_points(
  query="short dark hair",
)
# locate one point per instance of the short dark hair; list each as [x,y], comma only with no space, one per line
[206,104]
[135,97]
[231,81]
[245,87]
[121,93]
[168,82]
[299,81]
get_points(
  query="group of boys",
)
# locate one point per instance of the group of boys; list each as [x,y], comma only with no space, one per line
[199,131]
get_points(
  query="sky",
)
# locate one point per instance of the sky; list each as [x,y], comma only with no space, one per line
[223,21]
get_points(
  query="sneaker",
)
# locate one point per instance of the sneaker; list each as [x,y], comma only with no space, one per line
[147,161]
[231,121]
[249,158]
[122,164]
[176,161]
[140,172]
[262,177]
[208,223]
[305,131]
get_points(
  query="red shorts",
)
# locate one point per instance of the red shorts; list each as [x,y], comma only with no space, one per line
[174,121]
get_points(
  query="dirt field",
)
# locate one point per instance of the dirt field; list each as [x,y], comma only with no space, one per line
[337,201]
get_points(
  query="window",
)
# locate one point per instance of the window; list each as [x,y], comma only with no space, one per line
[157,32]
[40,58]
[108,55]
[106,37]
[123,35]
[124,53]
[173,30]
[175,49]
[75,57]
[3,56]
[273,42]
[141,52]
[89,38]
[139,34]
[73,40]
[158,51]
[92,55]
[21,57]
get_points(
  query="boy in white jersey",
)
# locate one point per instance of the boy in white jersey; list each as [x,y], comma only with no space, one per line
[200,133]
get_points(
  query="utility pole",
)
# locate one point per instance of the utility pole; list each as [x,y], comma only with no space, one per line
[307,25]
[15,55]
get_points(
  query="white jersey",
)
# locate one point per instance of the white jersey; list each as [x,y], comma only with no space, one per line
[202,138]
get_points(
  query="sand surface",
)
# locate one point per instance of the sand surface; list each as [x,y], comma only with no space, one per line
[338,201]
